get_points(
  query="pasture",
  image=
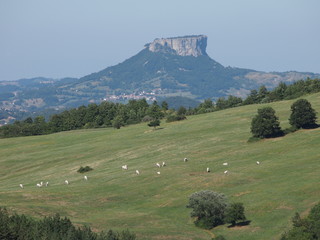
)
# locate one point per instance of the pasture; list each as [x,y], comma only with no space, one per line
[152,205]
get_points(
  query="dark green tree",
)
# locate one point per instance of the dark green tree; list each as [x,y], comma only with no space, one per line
[117,122]
[208,207]
[154,111]
[305,228]
[302,114]
[182,111]
[266,124]
[154,123]
[234,213]
[164,106]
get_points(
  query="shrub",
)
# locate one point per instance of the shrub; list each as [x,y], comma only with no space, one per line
[84,169]
[173,118]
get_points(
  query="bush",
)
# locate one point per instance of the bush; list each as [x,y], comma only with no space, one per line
[173,118]
[84,169]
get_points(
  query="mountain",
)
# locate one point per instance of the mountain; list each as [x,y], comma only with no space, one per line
[166,67]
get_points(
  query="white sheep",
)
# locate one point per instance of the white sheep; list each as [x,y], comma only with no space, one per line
[225,164]
[163,164]
[158,165]
[158,173]
[47,184]
[85,178]
[258,162]
[21,185]
[137,172]
[208,169]
[39,185]
[185,159]
[124,167]
[226,172]
[66,182]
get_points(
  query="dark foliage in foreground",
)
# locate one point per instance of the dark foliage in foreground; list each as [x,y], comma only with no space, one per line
[21,227]
[305,228]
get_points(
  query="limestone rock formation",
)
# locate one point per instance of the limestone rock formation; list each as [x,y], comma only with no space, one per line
[183,46]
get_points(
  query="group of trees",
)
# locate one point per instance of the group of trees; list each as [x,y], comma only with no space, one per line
[307,228]
[266,124]
[21,227]
[212,209]
[106,114]
[262,95]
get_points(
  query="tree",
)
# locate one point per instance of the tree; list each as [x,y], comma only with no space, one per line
[266,124]
[154,111]
[208,207]
[164,106]
[234,213]
[302,114]
[182,111]
[154,123]
[117,122]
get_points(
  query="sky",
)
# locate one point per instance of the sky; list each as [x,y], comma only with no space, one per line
[73,38]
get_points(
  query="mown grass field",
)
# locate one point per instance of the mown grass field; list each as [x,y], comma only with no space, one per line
[151,205]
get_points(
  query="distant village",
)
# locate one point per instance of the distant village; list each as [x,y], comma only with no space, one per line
[149,96]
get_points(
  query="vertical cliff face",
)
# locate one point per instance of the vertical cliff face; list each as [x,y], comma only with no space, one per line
[183,46]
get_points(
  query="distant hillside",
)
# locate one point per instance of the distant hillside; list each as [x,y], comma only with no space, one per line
[164,68]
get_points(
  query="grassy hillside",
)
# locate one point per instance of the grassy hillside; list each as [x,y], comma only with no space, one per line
[151,205]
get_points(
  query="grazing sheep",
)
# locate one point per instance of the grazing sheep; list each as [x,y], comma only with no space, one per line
[185,159]
[158,173]
[137,172]
[47,184]
[66,182]
[225,172]
[258,162]
[124,167]
[39,185]
[21,185]
[208,169]
[158,165]
[163,164]
[85,178]
[225,164]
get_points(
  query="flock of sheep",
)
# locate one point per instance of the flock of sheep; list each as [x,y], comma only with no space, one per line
[125,167]
[46,184]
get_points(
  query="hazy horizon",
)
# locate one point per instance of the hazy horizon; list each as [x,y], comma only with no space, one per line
[57,39]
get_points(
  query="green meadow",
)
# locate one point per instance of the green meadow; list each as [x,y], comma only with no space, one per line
[154,206]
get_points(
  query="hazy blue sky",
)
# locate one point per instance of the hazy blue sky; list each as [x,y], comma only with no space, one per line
[73,38]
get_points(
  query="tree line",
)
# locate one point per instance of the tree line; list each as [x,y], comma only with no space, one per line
[21,227]
[109,114]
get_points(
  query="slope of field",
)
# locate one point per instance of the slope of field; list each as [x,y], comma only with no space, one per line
[151,205]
